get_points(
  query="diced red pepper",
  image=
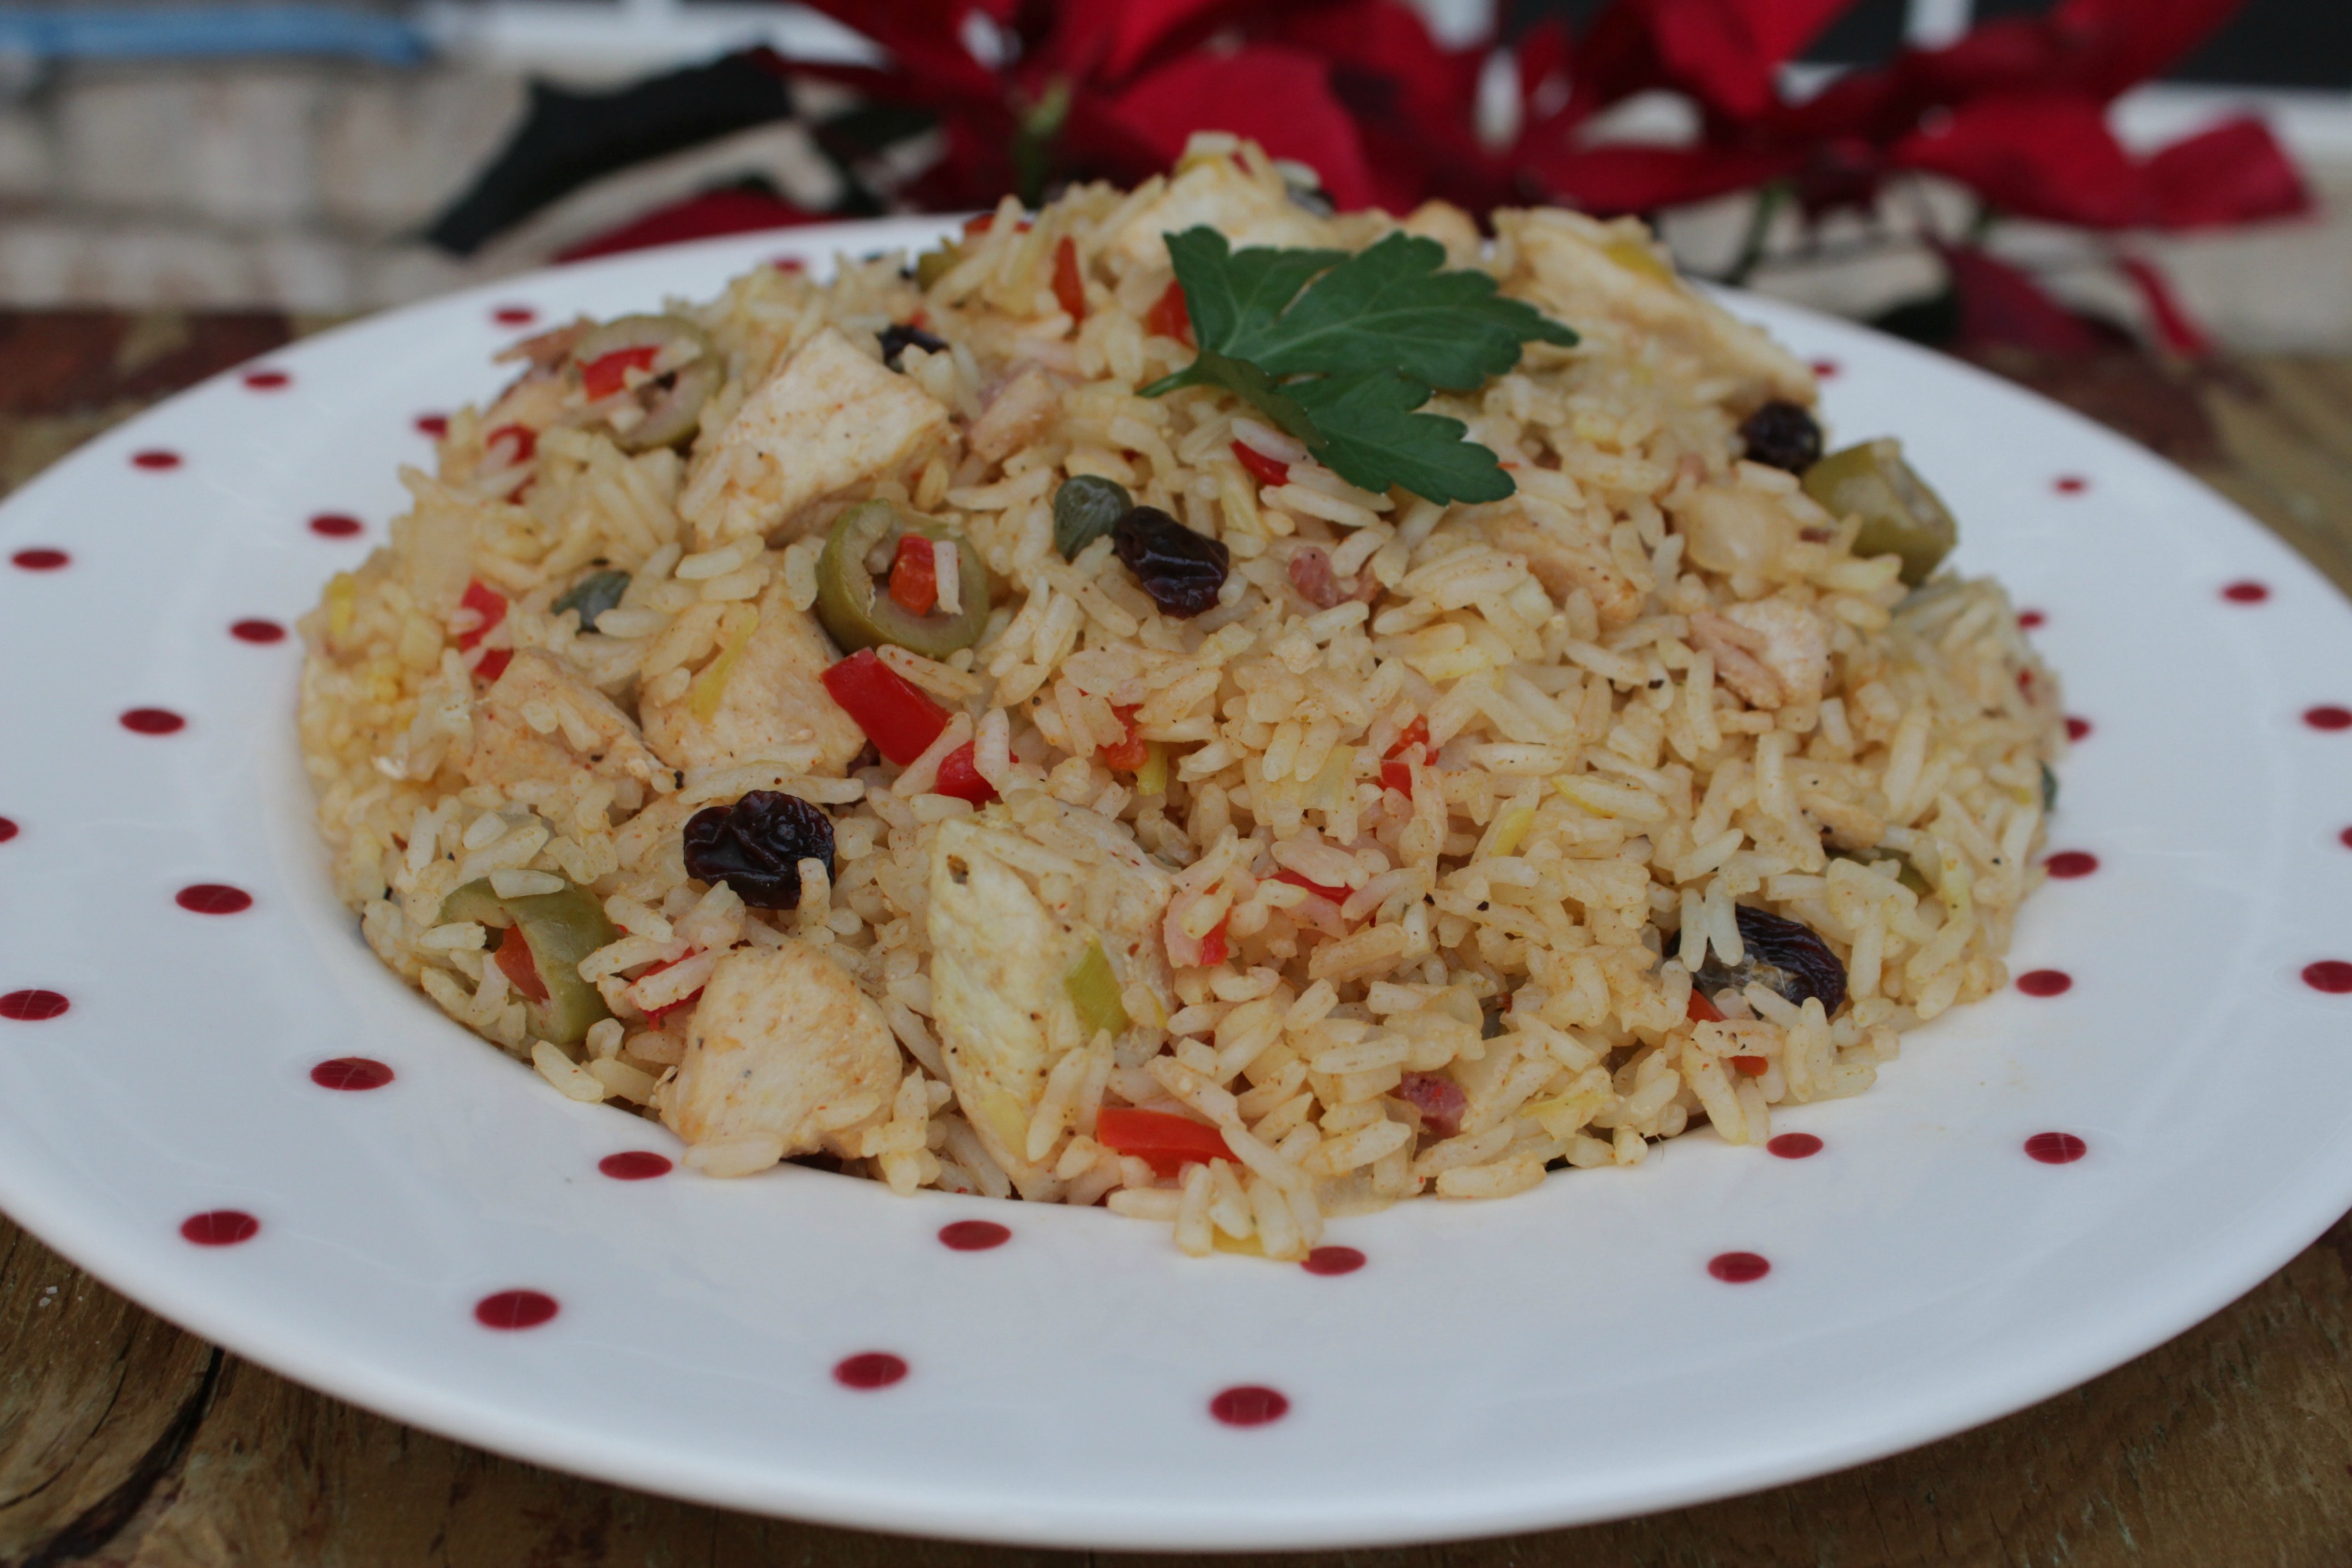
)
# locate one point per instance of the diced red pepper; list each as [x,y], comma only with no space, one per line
[1701,1010]
[896,717]
[494,663]
[656,1014]
[1751,1067]
[1069,284]
[487,604]
[1268,470]
[1337,895]
[915,575]
[608,373]
[522,970]
[1212,946]
[960,776]
[522,438]
[1398,776]
[1129,753]
[1169,316]
[987,221]
[1167,1144]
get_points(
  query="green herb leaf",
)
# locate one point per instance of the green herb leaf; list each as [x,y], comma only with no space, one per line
[1367,336]
[1373,439]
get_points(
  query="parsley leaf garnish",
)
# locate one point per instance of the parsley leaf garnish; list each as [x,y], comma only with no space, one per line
[1339,350]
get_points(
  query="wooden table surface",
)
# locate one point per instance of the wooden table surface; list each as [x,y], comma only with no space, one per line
[124,1441]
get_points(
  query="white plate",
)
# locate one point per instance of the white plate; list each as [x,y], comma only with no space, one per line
[1565,1355]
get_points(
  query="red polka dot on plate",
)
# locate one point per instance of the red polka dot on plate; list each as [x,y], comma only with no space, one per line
[2344,837]
[8,830]
[351,1073]
[514,315]
[220,1227]
[335,525]
[258,631]
[2072,863]
[2031,619]
[1739,1267]
[433,425]
[268,379]
[2076,728]
[1333,1260]
[974,1235]
[869,1369]
[515,1309]
[1794,1145]
[214,899]
[2246,593]
[634,1165]
[2328,716]
[154,721]
[2332,975]
[2045,982]
[2070,484]
[2056,1148]
[1825,368]
[32,1006]
[40,560]
[1249,1405]
[155,461]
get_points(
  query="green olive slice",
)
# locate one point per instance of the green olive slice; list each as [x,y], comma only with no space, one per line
[561,928]
[687,370]
[857,607]
[1900,515]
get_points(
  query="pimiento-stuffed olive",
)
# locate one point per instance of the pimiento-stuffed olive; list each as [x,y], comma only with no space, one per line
[1900,515]
[558,929]
[680,369]
[859,610]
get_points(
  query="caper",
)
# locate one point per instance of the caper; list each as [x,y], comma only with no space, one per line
[1900,515]
[591,596]
[561,928]
[1085,508]
[863,545]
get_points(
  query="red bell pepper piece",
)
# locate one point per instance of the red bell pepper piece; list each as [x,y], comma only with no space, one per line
[915,575]
[1398,776]
[608,373]
[523,437]
[656,1014]
[1751,1067]
[485,603]
[1069,285]
[1168,1144]
[1337,895]
[960,776]
[1212,946]
[522,970]
[1170,316]
[1268,470]
[1128,752]
[1701,1010]
[896,717]
[494,663]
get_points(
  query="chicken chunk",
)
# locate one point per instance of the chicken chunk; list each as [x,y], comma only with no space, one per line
[832,417]
[1020,408]
[1565,553]
[1736,530]
[1772,653]
[1005,937]
[1217,192]
[1589,273]
[542,720]
[773,704]
[784,1050]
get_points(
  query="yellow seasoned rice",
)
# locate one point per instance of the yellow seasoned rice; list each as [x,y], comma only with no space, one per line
[1656,685]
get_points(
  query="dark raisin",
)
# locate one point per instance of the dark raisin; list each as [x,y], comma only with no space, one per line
[1180,569]
[1785,955]
[756,846]
[591,596]
[898,338]
[1782,436]
[1086,507]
